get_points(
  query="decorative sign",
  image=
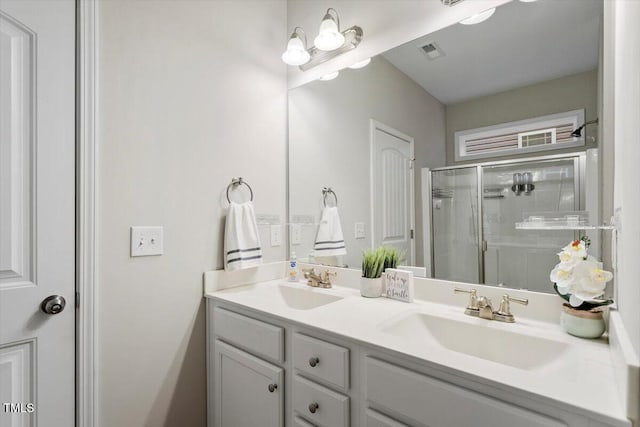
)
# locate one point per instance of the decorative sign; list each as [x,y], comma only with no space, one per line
[399,284]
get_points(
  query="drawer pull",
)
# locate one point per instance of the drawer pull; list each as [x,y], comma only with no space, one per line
[314,361]
[313,407]
[272,387]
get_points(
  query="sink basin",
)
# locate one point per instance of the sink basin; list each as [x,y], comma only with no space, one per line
[304,299]
[479,340]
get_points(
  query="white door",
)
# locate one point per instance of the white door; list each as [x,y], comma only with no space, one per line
[37,203]
[392,198]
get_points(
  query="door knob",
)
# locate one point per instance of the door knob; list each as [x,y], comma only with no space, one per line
[53,304]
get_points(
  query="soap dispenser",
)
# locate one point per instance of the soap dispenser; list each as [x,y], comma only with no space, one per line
[293,268]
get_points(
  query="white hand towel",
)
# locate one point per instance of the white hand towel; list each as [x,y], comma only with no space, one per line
[329,240]
[241,239]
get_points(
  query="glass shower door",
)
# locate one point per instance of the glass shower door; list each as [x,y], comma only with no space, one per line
[454,210]
[524,258]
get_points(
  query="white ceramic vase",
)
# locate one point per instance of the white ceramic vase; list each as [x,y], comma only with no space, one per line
[371,288]
[582,323]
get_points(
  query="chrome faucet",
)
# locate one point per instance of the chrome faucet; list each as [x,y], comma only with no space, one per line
[322,280]
[481,306]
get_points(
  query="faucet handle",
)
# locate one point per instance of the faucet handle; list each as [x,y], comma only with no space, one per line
[473,297]
[327,274]
[505,308]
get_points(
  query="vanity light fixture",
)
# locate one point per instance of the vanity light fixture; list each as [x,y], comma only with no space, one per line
[329,43]
[296,53]
[329,36]
[360,64]
[478,17]
[329,76]
[528,1]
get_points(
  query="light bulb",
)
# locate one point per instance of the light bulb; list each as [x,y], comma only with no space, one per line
[360,64]
[478,17]
[329,76]
[296,53]
[329,37]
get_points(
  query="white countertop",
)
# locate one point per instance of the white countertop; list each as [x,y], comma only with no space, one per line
[581,379]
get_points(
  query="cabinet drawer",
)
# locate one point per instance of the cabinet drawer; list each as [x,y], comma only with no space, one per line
[435,403]
[322,360]
[253,335]
[376,419]
[332,408]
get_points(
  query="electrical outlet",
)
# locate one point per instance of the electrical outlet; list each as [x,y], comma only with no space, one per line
[296,234]
[276,235]
[359,234]
[147,241]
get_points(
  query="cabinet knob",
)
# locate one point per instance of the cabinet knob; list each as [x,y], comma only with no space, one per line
[314,361]
[313,407]
[272,387]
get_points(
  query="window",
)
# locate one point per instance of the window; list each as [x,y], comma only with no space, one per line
[537,134]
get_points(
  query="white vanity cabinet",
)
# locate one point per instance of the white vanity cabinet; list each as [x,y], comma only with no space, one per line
[266,371]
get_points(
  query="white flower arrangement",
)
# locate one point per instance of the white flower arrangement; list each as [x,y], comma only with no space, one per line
[579,278]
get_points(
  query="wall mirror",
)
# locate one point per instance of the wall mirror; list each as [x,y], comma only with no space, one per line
[440,145]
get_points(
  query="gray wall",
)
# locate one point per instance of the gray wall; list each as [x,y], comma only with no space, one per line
[329,141]
[191,94]
[579,91]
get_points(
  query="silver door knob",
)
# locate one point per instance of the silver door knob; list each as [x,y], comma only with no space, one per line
[53,304]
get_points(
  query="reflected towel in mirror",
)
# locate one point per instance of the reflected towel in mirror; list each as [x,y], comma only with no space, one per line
[329,239]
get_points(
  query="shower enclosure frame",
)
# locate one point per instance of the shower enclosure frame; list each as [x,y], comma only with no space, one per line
[579,164]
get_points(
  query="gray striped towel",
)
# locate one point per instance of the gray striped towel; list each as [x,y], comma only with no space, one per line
[241,239]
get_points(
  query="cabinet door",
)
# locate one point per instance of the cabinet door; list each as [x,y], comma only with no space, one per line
[248,391]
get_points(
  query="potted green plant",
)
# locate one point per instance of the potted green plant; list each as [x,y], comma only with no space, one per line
[580,280]
[374,262]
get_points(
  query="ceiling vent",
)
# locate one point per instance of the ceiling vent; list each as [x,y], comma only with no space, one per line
[451,2]
[432,51]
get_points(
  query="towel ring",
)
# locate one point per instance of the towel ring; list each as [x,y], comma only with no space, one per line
[326,191]
[235,182]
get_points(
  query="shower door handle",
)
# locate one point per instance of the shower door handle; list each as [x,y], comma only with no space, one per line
[484,246]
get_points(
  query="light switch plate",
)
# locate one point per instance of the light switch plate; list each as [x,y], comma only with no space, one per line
[147,241]
[296,234]
[276,235]
[359,234]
